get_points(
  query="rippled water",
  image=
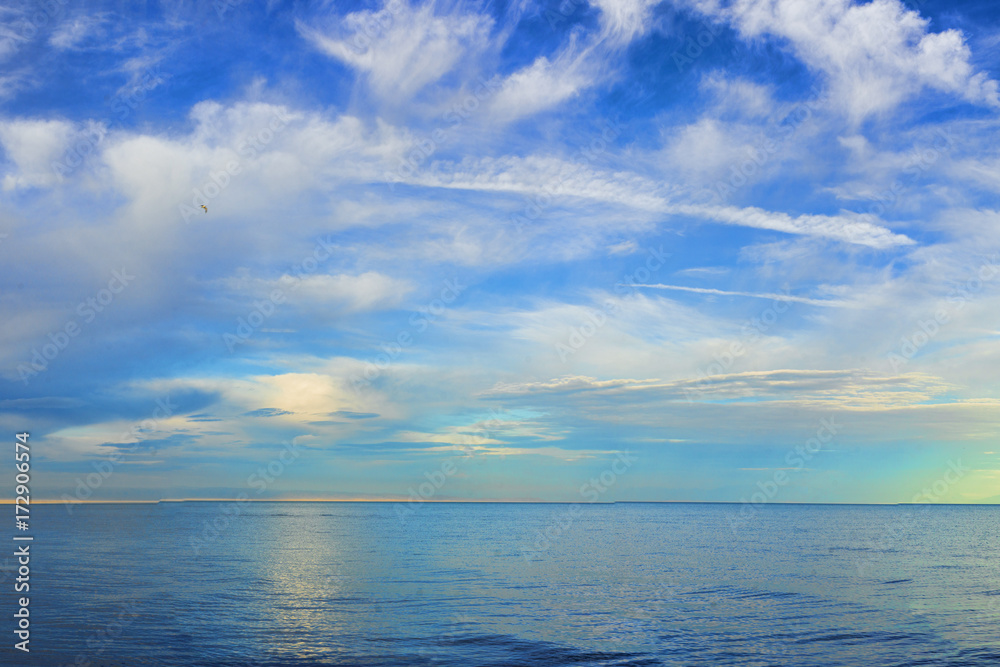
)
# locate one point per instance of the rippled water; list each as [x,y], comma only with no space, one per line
[478,584]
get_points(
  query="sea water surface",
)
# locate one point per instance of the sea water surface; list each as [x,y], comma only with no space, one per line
[283,584]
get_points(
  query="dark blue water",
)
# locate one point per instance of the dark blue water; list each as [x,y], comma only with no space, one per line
[281,584]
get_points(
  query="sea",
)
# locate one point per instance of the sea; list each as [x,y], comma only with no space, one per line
[282,584]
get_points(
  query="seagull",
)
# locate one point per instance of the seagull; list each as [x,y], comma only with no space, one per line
[205,207]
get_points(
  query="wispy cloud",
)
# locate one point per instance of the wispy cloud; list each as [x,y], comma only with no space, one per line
[830,303]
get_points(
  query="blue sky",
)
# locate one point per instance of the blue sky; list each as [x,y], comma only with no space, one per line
[516,238]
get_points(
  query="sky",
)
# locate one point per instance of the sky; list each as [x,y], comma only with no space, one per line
[574,251]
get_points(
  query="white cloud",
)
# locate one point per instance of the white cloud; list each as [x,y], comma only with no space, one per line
[278,153]
[849,388]
[704,271]
[408,48]
[624,20]
[540,86]
[828,303]
[705,148]
[31,148]
[367,291]
[346,293]
[304,396]
[402,49]
[11,82]
[565,384]
[71,32]
[560,180]
[458,437]
[15,29]
[9,42]
[876,55]
[579,65]
[739,97]
[847,227]
[623,248]
[549,176]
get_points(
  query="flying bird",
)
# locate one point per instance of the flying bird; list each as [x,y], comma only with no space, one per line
[205,207]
